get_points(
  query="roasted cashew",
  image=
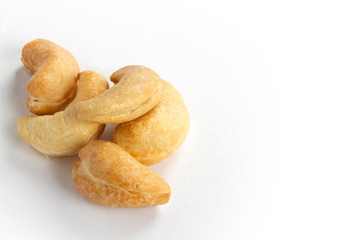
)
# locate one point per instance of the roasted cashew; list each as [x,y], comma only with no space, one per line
[53,85]
[157,134]
[63,134]
[107,175]
[137,89]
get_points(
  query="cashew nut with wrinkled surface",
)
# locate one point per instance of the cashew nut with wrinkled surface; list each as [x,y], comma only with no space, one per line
[107,175]
[63,133]
[137,89]
[157,134]
[53,85]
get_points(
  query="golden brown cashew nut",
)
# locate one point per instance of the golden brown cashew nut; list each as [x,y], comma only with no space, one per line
[157,134]
[137,89]
[63,134]
[53,85]
[108,175]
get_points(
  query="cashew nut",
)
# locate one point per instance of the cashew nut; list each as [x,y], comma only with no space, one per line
[108,175]
[137,89]
[53,85]
[63,134]
[156,135]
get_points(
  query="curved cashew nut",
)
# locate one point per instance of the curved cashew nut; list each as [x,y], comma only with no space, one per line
[157,134]
[53,86]
[108,175]
[63,134]
[137,89]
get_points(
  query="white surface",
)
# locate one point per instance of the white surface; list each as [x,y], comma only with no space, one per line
[273,92]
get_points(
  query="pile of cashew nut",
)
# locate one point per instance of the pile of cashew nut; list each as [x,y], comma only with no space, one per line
[72,109]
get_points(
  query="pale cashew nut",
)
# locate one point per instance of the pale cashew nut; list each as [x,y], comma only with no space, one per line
[157,134]
[107,175]
[63,134]
[137,90]
[53,85]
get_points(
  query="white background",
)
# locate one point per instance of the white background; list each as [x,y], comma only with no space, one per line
[273,92]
